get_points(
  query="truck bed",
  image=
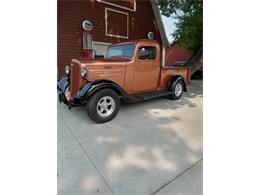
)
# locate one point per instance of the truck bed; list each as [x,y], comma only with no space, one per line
[167,72]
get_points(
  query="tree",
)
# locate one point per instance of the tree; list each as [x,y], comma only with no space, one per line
[188,15]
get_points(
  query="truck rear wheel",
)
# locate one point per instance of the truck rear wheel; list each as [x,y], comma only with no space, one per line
[177,90]
[103,106]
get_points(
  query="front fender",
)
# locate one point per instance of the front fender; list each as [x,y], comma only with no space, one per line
[90,88]
[63,84]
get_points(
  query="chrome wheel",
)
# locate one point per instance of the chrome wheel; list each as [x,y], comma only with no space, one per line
[105,106]
[178,89]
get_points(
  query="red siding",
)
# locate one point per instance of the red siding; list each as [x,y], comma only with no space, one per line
[71,14]
[175,54]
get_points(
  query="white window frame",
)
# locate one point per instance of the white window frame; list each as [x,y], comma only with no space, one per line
[119,6]
[127,26]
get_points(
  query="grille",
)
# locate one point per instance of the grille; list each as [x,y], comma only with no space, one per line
[74,81]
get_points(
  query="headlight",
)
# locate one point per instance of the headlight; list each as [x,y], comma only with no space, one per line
[83,72]
[67,69]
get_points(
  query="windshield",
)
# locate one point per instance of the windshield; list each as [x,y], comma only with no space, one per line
[126,50]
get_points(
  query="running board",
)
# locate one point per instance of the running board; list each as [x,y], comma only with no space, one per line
[146,96]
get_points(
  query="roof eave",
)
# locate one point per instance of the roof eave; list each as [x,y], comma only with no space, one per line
[159,21]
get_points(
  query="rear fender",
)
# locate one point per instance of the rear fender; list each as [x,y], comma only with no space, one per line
[175,79]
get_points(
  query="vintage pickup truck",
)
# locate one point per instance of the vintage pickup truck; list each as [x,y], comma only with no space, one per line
[131,71]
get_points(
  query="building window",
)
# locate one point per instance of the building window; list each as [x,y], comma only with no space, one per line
[100,49]
[147,53]
[116,23]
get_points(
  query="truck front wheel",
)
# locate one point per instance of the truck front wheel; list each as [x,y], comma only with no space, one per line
[177,90]
[103,106]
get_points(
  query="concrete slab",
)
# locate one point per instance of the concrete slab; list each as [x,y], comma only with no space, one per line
[190,183]
[144,147]
[137,166]
[76,174]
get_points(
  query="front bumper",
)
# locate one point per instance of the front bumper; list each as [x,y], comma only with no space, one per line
[63,87]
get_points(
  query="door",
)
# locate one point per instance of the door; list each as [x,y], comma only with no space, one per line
[146,70]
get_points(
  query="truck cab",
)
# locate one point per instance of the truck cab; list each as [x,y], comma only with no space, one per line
[131,71]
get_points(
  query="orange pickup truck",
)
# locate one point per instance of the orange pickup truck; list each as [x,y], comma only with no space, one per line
[131,71]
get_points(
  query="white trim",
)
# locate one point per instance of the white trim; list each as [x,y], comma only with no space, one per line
[163,56]
[119,6]
[112,35]
[101,43]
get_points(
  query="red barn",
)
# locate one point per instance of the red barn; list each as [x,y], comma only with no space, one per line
[112,20]
[176,56]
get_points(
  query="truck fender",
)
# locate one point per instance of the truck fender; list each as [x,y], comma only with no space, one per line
[90,88]
[63,83]
[175,79]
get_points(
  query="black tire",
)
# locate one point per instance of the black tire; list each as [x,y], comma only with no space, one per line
[94,110]
[176,96]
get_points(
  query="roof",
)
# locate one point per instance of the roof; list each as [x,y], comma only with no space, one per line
[158,18]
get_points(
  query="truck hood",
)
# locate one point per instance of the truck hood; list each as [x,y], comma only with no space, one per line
[104,61]
[104,69]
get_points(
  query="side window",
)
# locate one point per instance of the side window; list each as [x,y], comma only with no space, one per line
[145,53]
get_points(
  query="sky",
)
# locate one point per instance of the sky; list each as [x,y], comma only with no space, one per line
[169,27]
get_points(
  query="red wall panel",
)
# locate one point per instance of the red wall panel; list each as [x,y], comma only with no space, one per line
[176,54]
[71,14]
